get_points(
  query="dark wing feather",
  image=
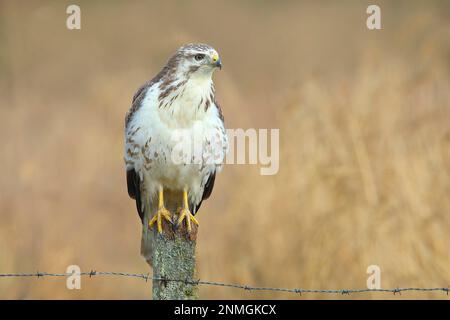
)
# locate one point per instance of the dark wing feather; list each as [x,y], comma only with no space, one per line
[134,190]
[207,191]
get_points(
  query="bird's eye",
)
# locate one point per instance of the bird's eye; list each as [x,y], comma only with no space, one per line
[199,57]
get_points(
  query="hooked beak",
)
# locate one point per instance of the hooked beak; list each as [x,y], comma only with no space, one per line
[217,62]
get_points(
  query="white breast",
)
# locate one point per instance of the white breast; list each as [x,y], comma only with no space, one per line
[155,134]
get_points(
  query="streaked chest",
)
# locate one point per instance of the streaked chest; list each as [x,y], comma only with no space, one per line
[183,106]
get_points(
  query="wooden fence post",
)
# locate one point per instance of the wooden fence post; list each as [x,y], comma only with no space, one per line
[173,256]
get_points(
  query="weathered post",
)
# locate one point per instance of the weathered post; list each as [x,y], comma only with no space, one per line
[173,257]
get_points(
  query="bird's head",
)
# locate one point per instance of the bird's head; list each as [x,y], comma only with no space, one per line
[197,59]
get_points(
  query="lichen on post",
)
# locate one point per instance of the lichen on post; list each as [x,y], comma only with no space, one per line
[173,255]
[174,258]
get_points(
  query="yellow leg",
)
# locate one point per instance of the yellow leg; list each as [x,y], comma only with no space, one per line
[161,213]
[185,214]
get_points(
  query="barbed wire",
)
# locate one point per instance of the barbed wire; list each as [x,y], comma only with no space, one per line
[147,277]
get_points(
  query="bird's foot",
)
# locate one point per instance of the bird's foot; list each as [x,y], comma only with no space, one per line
[161,214]
[185,214]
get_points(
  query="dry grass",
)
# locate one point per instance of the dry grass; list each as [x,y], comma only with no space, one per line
[364,120]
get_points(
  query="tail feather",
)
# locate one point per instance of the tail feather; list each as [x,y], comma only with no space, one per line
[147,233]
[172,201]
[147,244]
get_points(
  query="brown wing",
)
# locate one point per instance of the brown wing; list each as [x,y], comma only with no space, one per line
[133,181]
[212,177]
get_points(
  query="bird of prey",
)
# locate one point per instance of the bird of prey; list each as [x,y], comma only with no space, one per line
[167,178]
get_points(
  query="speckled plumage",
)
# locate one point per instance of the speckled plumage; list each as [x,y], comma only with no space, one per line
[179,100]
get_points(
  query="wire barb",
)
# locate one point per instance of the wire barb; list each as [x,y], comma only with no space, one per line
[198,282]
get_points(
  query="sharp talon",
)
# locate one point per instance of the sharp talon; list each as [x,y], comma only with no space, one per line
[185,214]
[158,218]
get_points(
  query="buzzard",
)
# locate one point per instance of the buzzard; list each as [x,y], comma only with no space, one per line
[169,178]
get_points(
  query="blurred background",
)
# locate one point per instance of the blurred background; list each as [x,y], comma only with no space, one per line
[364,119]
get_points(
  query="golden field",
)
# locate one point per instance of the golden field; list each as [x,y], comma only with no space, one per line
[364,119]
